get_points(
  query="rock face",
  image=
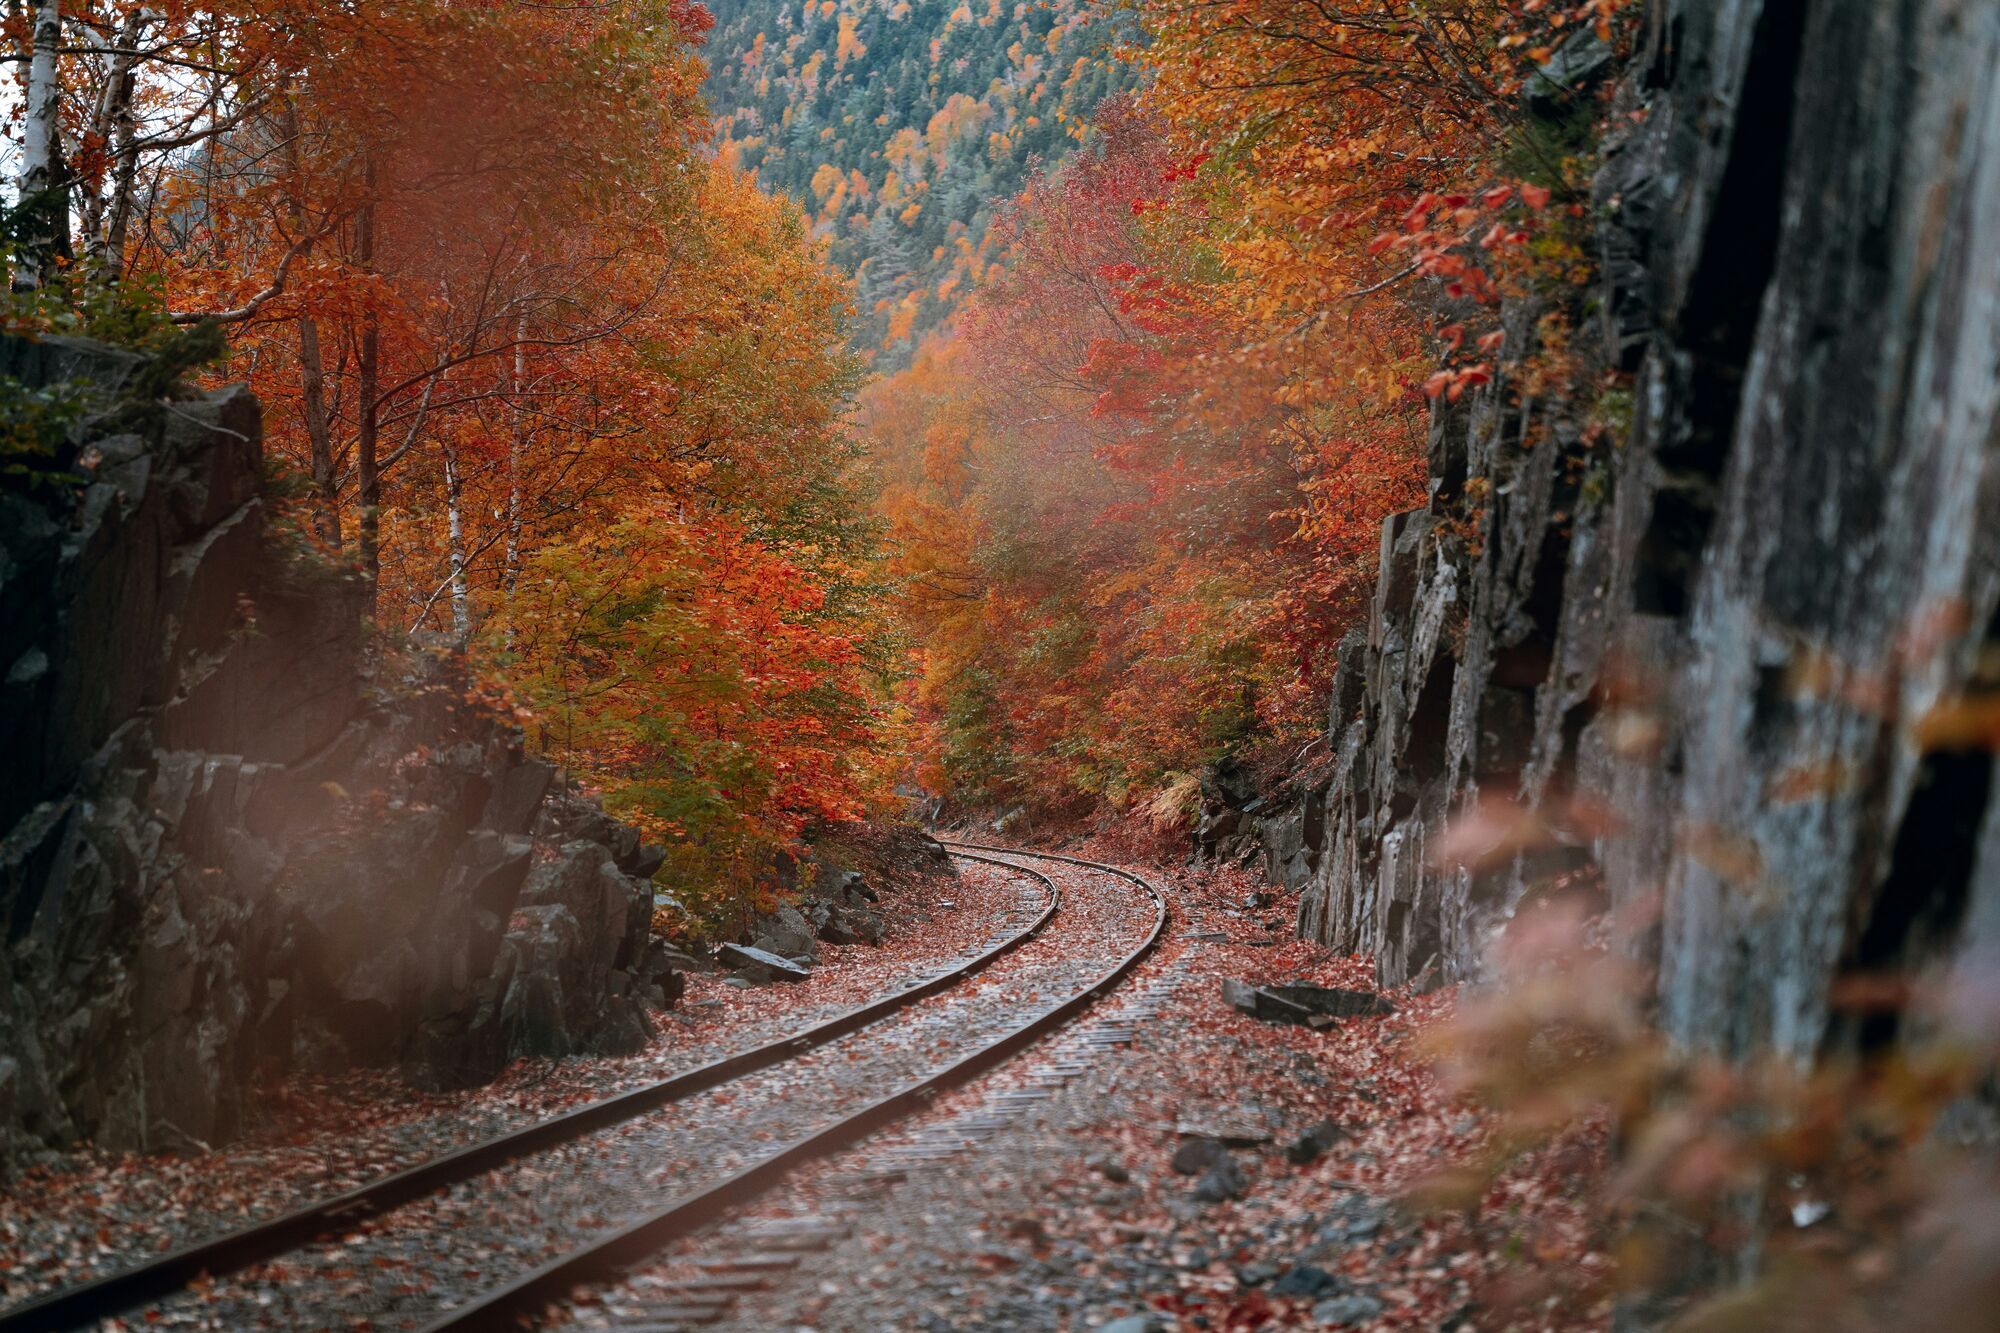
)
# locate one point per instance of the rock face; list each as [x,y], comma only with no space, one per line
[1225,829]
[1235,823]
[759,965]
[837,906]
[233,846]
[1309,1005]
[1745,607]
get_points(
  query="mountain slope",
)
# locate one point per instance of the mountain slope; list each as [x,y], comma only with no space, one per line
[898,125]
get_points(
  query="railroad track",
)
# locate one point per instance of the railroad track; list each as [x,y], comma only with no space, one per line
[453,1185]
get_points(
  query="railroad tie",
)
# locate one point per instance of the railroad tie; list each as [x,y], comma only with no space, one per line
[722,1285]
[752,1261]
[798,1240]
[798,1226]
[871,1180]
[664,1318]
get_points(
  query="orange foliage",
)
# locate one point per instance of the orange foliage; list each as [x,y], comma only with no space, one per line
[560,392]
[1130,550]
[1203,382]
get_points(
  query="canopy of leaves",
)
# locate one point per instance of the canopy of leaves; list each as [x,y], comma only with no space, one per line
[560,389]
[1127,551]
[1138,494]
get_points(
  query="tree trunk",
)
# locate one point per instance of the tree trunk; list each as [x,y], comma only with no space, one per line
[113,125]
[312,363]
[366,407]
[368,476]
[517,449]
[37,180]
[319,432]
[121,127]
[461,595]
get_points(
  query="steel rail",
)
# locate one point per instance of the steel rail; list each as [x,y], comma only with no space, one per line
[612,1255]
[1050,856]
[119,1292]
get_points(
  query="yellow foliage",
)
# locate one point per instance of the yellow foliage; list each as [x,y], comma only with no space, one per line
[847,45]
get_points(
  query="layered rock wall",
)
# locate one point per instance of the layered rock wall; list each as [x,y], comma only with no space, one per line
[1728,634]
[234,843]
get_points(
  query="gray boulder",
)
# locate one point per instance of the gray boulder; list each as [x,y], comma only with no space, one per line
[854,925]
[1342,1311]
[1309,1280]
[759,965]
[1309,1146]
[788,933]
[1198,1154]
[1310,1006]
[1223,1181]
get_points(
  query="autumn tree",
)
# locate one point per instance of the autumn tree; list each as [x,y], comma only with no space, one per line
[1147,586]
[1199,375]
[563,393]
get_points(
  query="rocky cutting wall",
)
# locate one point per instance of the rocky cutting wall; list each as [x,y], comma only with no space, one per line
[235,846]
[1756,623]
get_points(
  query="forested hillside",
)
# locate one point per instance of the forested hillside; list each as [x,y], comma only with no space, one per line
[899,127]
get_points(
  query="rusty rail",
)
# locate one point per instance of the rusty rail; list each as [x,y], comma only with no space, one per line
[507,1307]
[116,1293]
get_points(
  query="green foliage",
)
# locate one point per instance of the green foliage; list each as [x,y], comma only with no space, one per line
[82,299]
[35,426]
[975,742]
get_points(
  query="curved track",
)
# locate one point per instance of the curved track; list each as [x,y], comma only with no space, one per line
[506,1165]
[613,1255]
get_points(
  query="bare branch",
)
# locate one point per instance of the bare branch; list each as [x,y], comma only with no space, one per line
[261,299]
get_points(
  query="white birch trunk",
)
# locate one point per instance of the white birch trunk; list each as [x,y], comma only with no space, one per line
[461,595]
[517,448]
[120,125]
[38,138]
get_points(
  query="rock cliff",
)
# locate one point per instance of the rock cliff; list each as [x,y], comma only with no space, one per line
[1728,634]
[238,842]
